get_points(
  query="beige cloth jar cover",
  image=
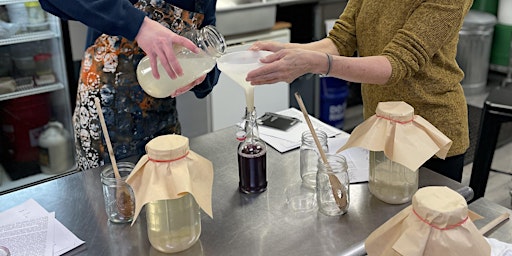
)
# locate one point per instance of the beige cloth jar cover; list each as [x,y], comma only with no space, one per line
[405,138]
[170,170]
[437,223]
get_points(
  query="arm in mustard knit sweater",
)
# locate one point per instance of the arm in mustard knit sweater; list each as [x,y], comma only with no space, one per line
[397,39]
[293,60]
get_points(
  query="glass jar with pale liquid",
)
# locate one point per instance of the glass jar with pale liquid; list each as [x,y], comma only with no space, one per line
[390,181]
[174,225]
[212,44]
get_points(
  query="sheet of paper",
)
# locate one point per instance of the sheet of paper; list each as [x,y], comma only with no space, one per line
[33,236]
[64,240]
[284,141]
[357,159]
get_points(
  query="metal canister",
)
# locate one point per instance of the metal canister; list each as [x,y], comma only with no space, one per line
[474,49]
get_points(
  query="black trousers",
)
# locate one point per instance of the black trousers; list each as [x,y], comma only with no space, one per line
[450,167]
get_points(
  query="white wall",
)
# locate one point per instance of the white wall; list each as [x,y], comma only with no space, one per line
[77,34]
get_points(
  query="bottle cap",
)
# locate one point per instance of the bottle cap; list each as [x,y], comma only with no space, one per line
[32,4]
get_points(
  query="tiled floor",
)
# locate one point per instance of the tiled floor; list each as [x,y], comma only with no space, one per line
[499,184]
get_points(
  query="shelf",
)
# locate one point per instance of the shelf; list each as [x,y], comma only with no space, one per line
[28,37]
[22,91]
[7,185]
[4,2]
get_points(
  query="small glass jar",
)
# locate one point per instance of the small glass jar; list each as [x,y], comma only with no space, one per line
[118,195]
[338,169]
[173,225]
[390,181]
[309,156]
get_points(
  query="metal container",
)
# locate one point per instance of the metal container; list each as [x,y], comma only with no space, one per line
[474,49]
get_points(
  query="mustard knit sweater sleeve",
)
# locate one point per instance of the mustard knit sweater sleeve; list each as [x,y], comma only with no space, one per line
[419,38]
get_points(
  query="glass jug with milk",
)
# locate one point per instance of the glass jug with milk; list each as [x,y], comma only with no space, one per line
[212,44]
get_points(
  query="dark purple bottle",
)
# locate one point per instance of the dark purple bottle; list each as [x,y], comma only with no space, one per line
[252,168]
[252,157]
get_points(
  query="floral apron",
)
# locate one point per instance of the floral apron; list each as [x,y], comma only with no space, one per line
[109,72]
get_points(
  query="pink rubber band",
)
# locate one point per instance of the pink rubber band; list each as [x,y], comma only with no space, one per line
[392,120]
[168,161]
[439,228]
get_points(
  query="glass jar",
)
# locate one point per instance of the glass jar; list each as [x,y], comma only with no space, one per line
[118,195]
[390,181]
[336,169]
[212,44]
[309,156]
[173,225]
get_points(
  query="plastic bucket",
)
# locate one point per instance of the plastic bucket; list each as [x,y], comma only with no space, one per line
[474,49]
[333,101]
[23,119]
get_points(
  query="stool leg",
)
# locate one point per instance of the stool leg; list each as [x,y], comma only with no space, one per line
[484,153]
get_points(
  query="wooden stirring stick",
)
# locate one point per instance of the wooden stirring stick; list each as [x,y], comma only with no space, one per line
[338,190]
[494,223]
[123,198]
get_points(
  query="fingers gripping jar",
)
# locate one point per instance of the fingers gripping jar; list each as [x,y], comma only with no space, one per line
[212,45]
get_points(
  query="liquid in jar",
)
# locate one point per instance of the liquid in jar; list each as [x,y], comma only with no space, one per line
[173,225]
[194,66]
[390,181]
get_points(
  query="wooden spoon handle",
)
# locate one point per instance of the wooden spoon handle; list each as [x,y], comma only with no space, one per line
[124,201]
[494,223]
[107,138]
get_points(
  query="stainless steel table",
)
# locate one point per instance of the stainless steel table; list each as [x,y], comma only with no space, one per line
[241,225]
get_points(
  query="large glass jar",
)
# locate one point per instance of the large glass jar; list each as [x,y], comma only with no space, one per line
[173,225]
[212,44]
[390,181]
